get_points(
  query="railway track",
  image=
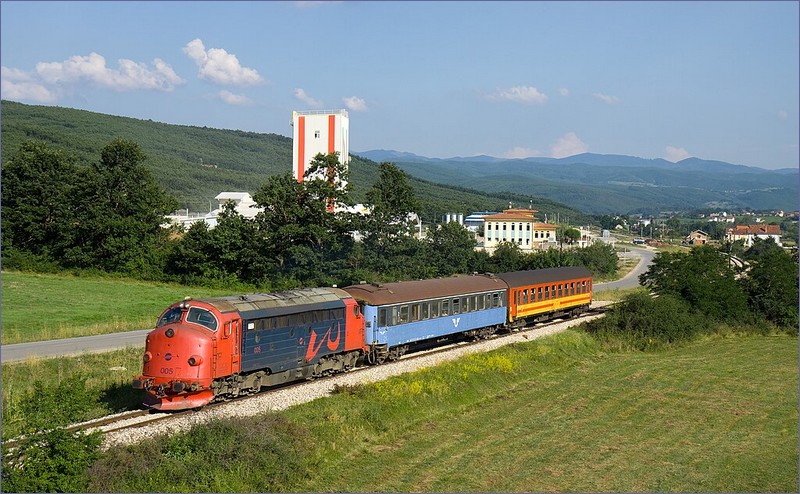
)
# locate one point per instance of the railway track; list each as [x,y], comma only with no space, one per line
[136,420]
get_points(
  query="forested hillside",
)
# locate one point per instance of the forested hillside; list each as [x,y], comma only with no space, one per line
[194,164]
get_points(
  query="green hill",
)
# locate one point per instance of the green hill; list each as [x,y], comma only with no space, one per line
[197,163]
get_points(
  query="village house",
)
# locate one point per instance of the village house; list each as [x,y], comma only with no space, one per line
[697,237]
[518,226]
[748,233]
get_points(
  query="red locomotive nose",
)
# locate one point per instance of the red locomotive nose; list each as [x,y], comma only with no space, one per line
[177,367]
[179,352]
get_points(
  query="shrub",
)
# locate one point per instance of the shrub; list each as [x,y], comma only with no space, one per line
[275,452]
[50,461]
[643,322]
[48,458]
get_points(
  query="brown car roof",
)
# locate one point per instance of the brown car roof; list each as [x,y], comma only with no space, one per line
[549,275]
[410,291]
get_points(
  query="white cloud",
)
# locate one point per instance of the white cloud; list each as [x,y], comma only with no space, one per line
[520,94]
[92,68]
[568,145]
[676,154]
[520,152]
[301,95]
[605,98]
[19,85]
[219,66]
[234,99]
[355,103]
[563,91]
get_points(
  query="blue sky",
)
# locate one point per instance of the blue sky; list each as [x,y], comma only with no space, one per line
[715,80]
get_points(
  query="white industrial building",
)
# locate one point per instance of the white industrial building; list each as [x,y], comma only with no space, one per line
[318,131]
[243,204]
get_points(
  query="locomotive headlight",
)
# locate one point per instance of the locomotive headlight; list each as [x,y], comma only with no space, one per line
[195,360]
[147,357]
[170,333]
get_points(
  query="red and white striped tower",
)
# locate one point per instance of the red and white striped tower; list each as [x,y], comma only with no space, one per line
[318,131]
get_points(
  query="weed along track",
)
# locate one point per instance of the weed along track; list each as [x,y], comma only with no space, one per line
[140,425]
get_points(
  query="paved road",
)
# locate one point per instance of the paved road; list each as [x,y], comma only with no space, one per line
[72,346]
[631,280]
[114,341]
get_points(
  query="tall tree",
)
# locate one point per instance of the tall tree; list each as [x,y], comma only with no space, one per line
[391,196]
[38,186]
[772,286]
[307,239]
[451,248]
[703,277]
[121,210]
[388,229]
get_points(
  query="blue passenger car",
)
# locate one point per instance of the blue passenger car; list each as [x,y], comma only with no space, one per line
[400,315]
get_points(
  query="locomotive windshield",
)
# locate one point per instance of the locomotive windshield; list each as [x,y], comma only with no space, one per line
[172,315]
[202,317]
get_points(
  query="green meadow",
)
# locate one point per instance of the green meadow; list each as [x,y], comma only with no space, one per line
[39,307]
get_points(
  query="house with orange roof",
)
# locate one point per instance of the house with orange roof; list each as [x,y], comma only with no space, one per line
[748,233]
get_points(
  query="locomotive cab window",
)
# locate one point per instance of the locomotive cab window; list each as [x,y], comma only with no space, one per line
[172,315]
[202,317]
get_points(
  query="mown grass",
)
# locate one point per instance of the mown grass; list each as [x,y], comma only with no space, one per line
[557,414]
[39,307]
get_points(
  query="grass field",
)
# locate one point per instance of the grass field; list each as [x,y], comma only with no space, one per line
[556,414]
[107,375]
[40,307]
[718,415]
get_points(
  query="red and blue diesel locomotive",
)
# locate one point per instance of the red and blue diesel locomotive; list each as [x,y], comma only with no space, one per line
[219,348]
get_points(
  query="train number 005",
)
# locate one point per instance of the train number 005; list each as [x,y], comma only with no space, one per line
[167,370]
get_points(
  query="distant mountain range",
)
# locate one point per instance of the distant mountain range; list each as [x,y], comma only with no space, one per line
[604,183]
